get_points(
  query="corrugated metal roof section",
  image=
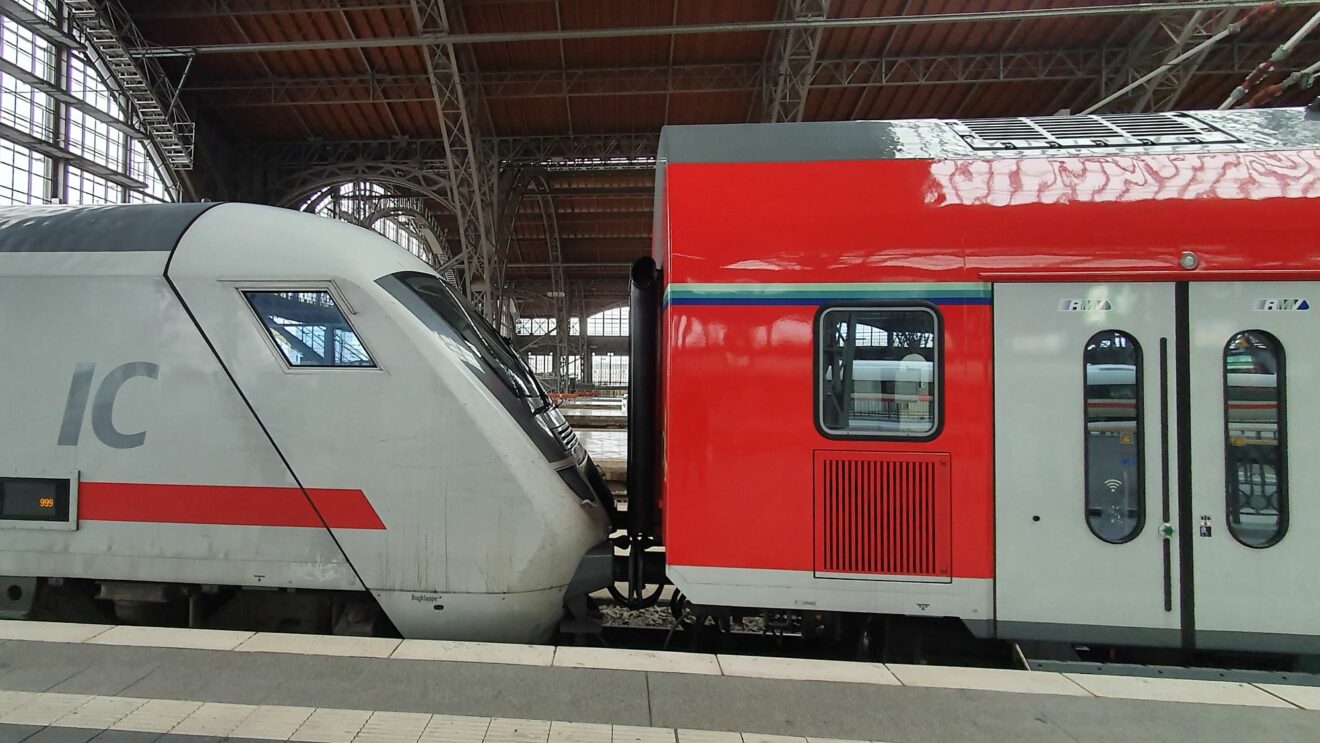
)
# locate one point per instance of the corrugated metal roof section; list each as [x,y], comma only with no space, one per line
[634,105]
[529,116]
[602,115]
[948,100]
[583,250]
[588,226]
[722,47]
[702,108]
[981,36]
[604,205]
[576,181]
[514,16]
[651,50]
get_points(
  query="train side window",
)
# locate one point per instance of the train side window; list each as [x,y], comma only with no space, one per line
[1114,461]
[1255,439]
[878,372]
[308,328]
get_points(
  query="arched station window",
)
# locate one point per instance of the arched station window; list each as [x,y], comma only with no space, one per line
[358,201]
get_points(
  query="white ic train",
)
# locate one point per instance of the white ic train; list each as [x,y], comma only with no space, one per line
[217,411]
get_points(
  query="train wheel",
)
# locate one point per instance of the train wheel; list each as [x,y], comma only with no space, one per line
[636,600]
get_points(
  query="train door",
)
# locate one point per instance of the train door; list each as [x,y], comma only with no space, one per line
[1084,484]
[1255,423]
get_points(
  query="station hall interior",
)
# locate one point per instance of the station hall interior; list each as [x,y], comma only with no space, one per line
[512,144]
[505,159]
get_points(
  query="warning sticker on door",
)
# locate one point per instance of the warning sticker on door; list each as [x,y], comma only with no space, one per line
[1205,525]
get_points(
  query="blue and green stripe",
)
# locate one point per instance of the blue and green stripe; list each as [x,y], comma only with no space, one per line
[940,293]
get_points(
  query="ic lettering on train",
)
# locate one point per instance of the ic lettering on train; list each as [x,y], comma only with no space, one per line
[103,404]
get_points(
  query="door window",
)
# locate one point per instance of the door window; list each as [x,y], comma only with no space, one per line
[1115,485]
[1255,439]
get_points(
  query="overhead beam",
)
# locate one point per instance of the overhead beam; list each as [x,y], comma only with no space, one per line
[607,151]
[574,265]
[429,37]
[833,73]
[1189,46]
[612,152]
[790,65]
[470,190]
[645,80]
[1172,52]
[152,10]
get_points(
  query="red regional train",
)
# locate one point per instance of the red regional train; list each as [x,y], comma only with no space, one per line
[1052,378]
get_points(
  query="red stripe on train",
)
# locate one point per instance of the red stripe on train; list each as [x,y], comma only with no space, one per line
[232,505]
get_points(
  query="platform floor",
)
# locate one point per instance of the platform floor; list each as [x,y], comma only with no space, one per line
[73,683]
[609,449]
[595,412]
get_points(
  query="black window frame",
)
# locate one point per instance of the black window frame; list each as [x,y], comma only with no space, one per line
[817,363]
[247,291]
[1139,386]
[63,512]
[1281,437]
[484,339]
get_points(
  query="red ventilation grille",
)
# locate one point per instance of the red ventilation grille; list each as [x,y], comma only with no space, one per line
[882,514]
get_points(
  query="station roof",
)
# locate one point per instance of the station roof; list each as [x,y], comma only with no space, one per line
[581,88]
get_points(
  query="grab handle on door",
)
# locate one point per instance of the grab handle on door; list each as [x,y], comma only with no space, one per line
[1166,546]
[1166,528]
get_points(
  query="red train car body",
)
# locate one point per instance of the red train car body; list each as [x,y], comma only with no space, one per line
[882,355]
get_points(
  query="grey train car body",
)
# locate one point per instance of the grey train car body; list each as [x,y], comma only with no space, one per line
[227,397]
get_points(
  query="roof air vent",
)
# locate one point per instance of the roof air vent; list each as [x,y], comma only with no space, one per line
[1089,132]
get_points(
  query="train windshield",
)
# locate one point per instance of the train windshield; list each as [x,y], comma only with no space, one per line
[478,332]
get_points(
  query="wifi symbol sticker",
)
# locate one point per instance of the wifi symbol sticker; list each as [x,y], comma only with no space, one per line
[1113,485]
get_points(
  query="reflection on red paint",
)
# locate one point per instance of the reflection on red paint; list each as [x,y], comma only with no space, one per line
[1018,181]
[953,220]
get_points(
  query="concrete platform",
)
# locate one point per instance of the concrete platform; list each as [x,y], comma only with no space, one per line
[596,412]
[609,449]
[63,683]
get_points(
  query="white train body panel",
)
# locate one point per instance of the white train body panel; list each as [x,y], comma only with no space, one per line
[410,479]
[76,328]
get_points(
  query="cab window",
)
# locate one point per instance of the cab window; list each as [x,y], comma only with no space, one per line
[308,328]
